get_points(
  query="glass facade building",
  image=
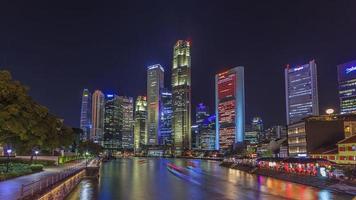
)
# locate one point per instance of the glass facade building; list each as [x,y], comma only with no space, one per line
[301,92]
[112,135]
[98,112]
[230,108]
[126,121]
[85,115]
[155,82]
[140,128]
[166,118]
[207,133]
[347,87]
[181,94]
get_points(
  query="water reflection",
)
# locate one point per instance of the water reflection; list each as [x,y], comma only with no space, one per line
[188,179]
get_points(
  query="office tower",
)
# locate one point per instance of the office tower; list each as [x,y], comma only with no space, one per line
[166,118]
[301,92]
[251,135]
[112,135]
[201,114]
[140,128]
[85,115]
[98,111]
[155,82]
[126,121]
[207,134]
[257,126]
[347,87]
[181,92]
[230,108]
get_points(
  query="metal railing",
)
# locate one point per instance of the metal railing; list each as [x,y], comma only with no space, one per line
[46,182]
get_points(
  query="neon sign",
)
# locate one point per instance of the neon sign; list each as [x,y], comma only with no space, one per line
[350,69]
[110,95]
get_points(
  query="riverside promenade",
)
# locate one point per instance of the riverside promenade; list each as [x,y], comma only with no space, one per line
[11,189]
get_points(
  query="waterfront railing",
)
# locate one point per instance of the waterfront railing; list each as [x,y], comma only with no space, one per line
[46,182]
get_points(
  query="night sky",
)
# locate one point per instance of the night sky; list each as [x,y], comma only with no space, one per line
[57,49]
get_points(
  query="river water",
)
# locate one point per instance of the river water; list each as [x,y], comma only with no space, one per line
[165,179]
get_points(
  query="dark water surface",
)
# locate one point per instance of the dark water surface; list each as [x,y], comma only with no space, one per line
[165,179]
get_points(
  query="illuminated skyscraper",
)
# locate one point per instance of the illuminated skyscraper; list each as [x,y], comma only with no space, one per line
[201,114]
[126,121]
[347,87]
[112,135]
[140,128]
[181,92]
[207,137]
[98,110]
[230,108]
[301,92]
[155,82]
[166,118]
[85,115]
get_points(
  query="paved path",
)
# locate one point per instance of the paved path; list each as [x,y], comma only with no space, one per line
[10,189]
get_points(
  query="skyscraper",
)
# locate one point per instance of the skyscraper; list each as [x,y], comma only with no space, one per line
[166,118]
[97,117]
[181,92]
[201,114]
[208,134]
[230,108]
[126,121]
[155,82]
[85,115]
[301,92]
[347,87]
[140,128]
[112,135]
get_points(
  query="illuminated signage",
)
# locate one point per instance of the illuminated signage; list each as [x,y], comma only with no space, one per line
[297,69]
[109,95]
[350,69]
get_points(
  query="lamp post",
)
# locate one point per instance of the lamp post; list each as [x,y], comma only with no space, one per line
[86,158]
[36,153]
[8,151]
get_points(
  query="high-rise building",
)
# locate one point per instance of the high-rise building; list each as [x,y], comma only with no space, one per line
[155,82]
[166,118]
[230,108]
[140,128]
[85,115]
[301,92]
[126,121]
[347,87]
[201,114]
[112,135]
[181,93]
[257,126]
[98,110]
[208,134]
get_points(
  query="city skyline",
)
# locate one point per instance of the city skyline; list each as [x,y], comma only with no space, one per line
[124,55]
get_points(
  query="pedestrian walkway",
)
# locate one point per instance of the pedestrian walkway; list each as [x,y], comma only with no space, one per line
[11,189]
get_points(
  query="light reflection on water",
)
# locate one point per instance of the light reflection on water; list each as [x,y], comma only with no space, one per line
[149,179]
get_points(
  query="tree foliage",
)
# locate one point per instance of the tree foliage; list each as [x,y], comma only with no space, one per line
[90,147]
[25,124]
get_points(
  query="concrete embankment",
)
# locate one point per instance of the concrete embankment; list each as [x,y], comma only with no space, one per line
[319,182]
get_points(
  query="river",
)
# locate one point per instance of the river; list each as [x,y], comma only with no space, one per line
[165,179]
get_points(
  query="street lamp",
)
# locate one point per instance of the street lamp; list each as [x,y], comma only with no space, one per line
[86,158]
[36,152]
[8,151]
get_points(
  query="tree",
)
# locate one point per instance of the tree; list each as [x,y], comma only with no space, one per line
[90,147]
[25,124]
